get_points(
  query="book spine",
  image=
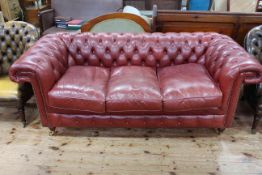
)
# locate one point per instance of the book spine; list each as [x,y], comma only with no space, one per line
[62,26]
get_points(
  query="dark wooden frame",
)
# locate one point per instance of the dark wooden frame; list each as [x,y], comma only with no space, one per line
[41,19]
[32,15]
[90,24]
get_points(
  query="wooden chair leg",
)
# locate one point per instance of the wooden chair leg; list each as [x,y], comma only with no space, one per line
[255,123]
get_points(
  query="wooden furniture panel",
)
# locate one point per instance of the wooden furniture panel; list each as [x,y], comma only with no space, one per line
[31,15]
[177,16]
[225,28]
[31,11]
[235,25]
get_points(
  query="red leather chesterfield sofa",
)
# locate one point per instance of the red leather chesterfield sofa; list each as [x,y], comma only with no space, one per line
[144,80]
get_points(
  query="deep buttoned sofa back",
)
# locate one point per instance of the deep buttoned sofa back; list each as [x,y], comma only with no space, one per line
[154,50]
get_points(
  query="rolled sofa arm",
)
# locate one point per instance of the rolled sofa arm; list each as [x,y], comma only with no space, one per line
[224,57]
[230,66]
[46,60]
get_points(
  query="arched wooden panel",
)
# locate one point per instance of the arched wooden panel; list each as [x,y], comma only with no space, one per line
[137,19]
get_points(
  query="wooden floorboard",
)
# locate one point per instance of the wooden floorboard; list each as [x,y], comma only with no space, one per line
[32,151]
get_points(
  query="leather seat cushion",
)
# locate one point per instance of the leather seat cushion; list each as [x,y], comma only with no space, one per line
[133,88]
[81,88]
[188,87]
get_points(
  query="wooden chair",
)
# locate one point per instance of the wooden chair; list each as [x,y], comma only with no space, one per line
[117,22]
[253,93]
[15,38]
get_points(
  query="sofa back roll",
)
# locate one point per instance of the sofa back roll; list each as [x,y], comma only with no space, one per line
[158,50]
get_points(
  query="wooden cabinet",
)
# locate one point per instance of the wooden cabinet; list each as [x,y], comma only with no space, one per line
[235,25]
[31,9]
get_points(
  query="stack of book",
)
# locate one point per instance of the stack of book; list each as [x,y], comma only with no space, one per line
[75,24]
[68,23]
[61,22]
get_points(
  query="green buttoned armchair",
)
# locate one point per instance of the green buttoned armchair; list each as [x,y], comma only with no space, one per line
[253,93]
[15,38]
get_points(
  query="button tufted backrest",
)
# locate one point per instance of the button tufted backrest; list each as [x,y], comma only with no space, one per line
[15,38]
[224,53]
[154,50]
[253,42]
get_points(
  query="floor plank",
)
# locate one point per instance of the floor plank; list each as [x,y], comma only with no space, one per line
[116,151]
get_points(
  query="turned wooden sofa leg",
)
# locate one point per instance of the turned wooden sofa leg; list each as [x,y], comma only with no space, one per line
[21,105]
[255,123]
[220,130]
[25,92]
[52,131]
[21,113]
